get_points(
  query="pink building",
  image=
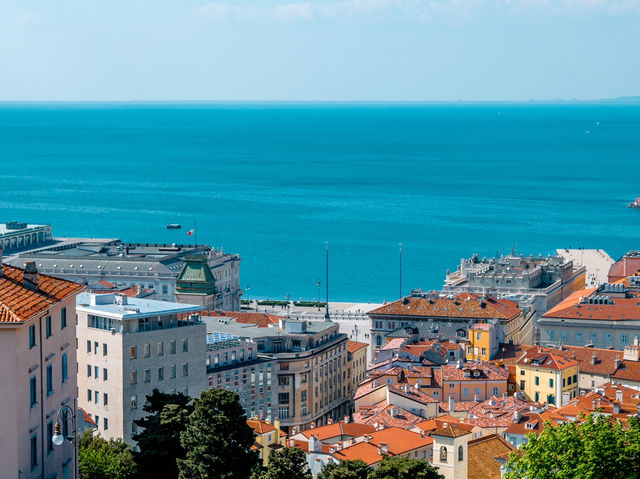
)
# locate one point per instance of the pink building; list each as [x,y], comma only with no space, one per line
[37,370]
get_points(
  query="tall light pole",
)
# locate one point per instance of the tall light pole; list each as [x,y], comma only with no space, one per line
[326,313]
[318,301]
[400,291]
[58,438]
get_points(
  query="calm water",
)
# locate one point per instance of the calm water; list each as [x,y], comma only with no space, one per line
[274,182]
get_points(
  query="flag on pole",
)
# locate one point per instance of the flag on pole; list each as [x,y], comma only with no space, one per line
[190,232]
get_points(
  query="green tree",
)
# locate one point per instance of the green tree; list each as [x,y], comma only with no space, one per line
[286,463]
[217,439]
[159,440]
[400,467]
[101,459]
[357,469]
[599,447]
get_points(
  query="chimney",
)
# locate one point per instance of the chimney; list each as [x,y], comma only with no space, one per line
[619,395]
[516,417]
[384,447]
[367,438]
[346,419]
[329,421]
[314,444]
[452,404]
[392,412]
[594,358]
[616,363]
[616,408]
[476,397]
[30,276]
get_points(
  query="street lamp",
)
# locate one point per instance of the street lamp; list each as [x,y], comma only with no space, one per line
[318,302]
[58,438]
[400,291]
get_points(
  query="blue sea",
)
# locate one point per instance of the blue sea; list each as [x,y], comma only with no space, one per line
[274,182]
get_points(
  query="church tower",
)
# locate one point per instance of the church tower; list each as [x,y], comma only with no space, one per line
[450,447]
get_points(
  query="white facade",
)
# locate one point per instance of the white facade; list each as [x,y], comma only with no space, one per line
[126,348]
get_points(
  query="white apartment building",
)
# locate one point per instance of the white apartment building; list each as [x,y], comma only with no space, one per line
[129,346]
[37,372]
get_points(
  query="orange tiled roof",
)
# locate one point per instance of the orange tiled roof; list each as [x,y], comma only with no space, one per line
[353,346]
[437,423]
[261,320]
[487,372]
[413,393]
[260,427]
[540,357]
[462,306]
[400,441]
[628,371]
[339,429]
[481,453]
[383,414]
[572,308]
[458,406]
[529,422]
[19,304]
[450,431]
[364,451]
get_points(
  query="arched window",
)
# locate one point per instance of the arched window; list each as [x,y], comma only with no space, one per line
[460,453]
[378,340]
[443,454]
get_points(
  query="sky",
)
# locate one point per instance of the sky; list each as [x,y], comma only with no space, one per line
[318,50]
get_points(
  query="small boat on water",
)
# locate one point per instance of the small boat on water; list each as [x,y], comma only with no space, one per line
[635,203]
[174,226]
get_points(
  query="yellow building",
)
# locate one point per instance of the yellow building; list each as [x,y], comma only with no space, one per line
[269,437]
[546,378]
[483,342]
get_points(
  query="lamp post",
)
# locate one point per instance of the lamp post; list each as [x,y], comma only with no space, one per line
[318,302]
[247,289]
[58,438]
[400,293]
[326,314]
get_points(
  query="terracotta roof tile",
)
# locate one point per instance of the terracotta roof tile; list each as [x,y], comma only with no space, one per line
[481,454]
[458,307]
[260,427]
[353,346]
[450,431]
[262,320]
[542,357]
[383,414]
[341,429]
[487,372]
[19,303]
[573,308]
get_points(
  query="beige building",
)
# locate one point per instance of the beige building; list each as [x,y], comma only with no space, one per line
[38,371]
[311,373]
[129,346]
[356,365]
[268,438]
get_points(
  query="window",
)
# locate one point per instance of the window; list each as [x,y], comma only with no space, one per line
[172,371]
[551,335]
[522,372]
[569,380]
[49,380]
[104,374]
[89,370]
[465,392]
[33,391]
[537,380]
[593,338]
[283,380]
[146,350]
[160,374]
[96,397]
[65,368]
[624,339]
[185,345]
[104,349]
[521,385]
[106,423]
[460,453]
[134,428]
[49,437]
[34,451]
[105,400]
[283,412]
[134,402]
[133,352]
[134,377]
[551,399]
[32,336]
[564,382]
[185,369]
[95,347]
[160,349]
[89,392]
[172,346]
[97,420]
[147,375]
[607,339]
[88,346]
[575,378]
[578,336]
[565,336]
[484,351]
[537,396]
[63,318]
[550,382]
[48,326]
[283,398]
[496,391]
[96,371]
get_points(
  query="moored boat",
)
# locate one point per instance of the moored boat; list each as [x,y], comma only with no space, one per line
[174,226]
[635,203]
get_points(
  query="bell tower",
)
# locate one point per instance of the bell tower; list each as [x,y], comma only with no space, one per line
[450,447]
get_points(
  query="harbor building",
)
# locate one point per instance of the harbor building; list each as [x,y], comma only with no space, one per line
[150,266]
[535,283]
[311,373]
[447,316]
[626,266]
[38,371]
[16,235]
[127,347]
[234,364]
[603,317]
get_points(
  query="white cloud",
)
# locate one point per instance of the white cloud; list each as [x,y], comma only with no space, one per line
[29,19]
[224,11]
